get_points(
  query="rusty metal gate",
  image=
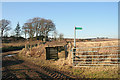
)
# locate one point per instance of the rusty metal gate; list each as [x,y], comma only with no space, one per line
[91,56]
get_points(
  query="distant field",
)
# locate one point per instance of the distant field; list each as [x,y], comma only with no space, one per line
[103,43]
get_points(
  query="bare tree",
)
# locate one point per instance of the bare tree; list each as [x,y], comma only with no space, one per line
[61,36]
[24,30]
[43,26]
[49,26]
[30,30]
[39,26]
[6,34]
[55,33]
[36,24]
[4,26]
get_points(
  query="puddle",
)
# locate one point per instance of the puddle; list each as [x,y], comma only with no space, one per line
[9,55]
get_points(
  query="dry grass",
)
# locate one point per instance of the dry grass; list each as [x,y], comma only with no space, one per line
[79,72]
[100,51]
[21,43]
[17,45]
[65,64]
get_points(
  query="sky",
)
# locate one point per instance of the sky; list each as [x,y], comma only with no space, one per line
[98,19]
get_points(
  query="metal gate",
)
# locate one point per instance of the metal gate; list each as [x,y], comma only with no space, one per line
[91,56]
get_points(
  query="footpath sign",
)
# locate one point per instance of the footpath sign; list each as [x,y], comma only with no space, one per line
[74,49]
[76,28]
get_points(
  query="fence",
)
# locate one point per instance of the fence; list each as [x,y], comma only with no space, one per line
[102,55]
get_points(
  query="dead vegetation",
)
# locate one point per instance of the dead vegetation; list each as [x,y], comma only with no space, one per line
[40,52]
[101,48]
[37,56]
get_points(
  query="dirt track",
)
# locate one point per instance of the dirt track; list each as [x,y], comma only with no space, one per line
[13,67]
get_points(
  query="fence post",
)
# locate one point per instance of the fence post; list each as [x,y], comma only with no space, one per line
[74,51]
[74,37]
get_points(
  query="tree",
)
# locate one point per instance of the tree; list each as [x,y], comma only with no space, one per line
[55,33]
[4,26]
[30,29]
[17,30]
[61,36]
[39,26]
[50,26]
[6,34]
[36,24]
[46,26]
[24,30]
[42,26]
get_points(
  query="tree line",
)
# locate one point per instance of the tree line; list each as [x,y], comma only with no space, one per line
[34,27]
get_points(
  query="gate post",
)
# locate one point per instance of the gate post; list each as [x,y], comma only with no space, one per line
[74,51]
[74,38]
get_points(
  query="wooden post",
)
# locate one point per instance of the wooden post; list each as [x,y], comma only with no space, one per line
[74,51]
[65,48]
